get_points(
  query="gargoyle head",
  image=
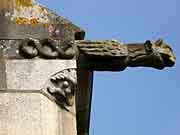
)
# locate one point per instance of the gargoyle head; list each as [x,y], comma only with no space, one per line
[165,51]
[156,54]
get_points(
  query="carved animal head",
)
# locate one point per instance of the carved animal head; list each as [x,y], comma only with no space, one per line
[156,54]
[165,52]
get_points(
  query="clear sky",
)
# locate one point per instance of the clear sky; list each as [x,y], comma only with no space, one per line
[137,101]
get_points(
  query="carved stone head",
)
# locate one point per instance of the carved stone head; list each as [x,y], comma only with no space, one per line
[165,51]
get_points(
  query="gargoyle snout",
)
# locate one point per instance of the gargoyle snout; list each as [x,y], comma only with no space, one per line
[169,61]
[166,53]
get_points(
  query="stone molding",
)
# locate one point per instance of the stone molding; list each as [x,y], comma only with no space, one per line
[33,48]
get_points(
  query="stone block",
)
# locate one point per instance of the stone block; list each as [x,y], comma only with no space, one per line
[24,108]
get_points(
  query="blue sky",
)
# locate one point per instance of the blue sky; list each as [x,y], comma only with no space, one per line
[137,101]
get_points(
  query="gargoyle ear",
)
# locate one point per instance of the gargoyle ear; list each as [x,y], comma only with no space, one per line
[148,42]
[159,42]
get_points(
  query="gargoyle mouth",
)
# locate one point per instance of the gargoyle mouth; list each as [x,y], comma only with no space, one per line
[169,61]
[165,52]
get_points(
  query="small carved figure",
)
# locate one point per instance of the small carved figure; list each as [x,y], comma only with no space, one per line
[28,49]
[62,87]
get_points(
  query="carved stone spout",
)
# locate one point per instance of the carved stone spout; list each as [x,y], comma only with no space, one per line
[113,55]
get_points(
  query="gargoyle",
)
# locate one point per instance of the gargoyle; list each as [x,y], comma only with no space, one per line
[113,55]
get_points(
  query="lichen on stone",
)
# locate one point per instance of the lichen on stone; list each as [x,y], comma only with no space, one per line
[24,3]
[28,12]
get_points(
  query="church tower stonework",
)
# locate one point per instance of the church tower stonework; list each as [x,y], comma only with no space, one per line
[46,69]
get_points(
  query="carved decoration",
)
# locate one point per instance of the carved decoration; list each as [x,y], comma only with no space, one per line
[102,49]
[61,87]
[46,48]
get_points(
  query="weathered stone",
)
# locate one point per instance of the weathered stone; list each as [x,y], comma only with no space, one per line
[32,20]
[25,107]
[27,114]
[32,75]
